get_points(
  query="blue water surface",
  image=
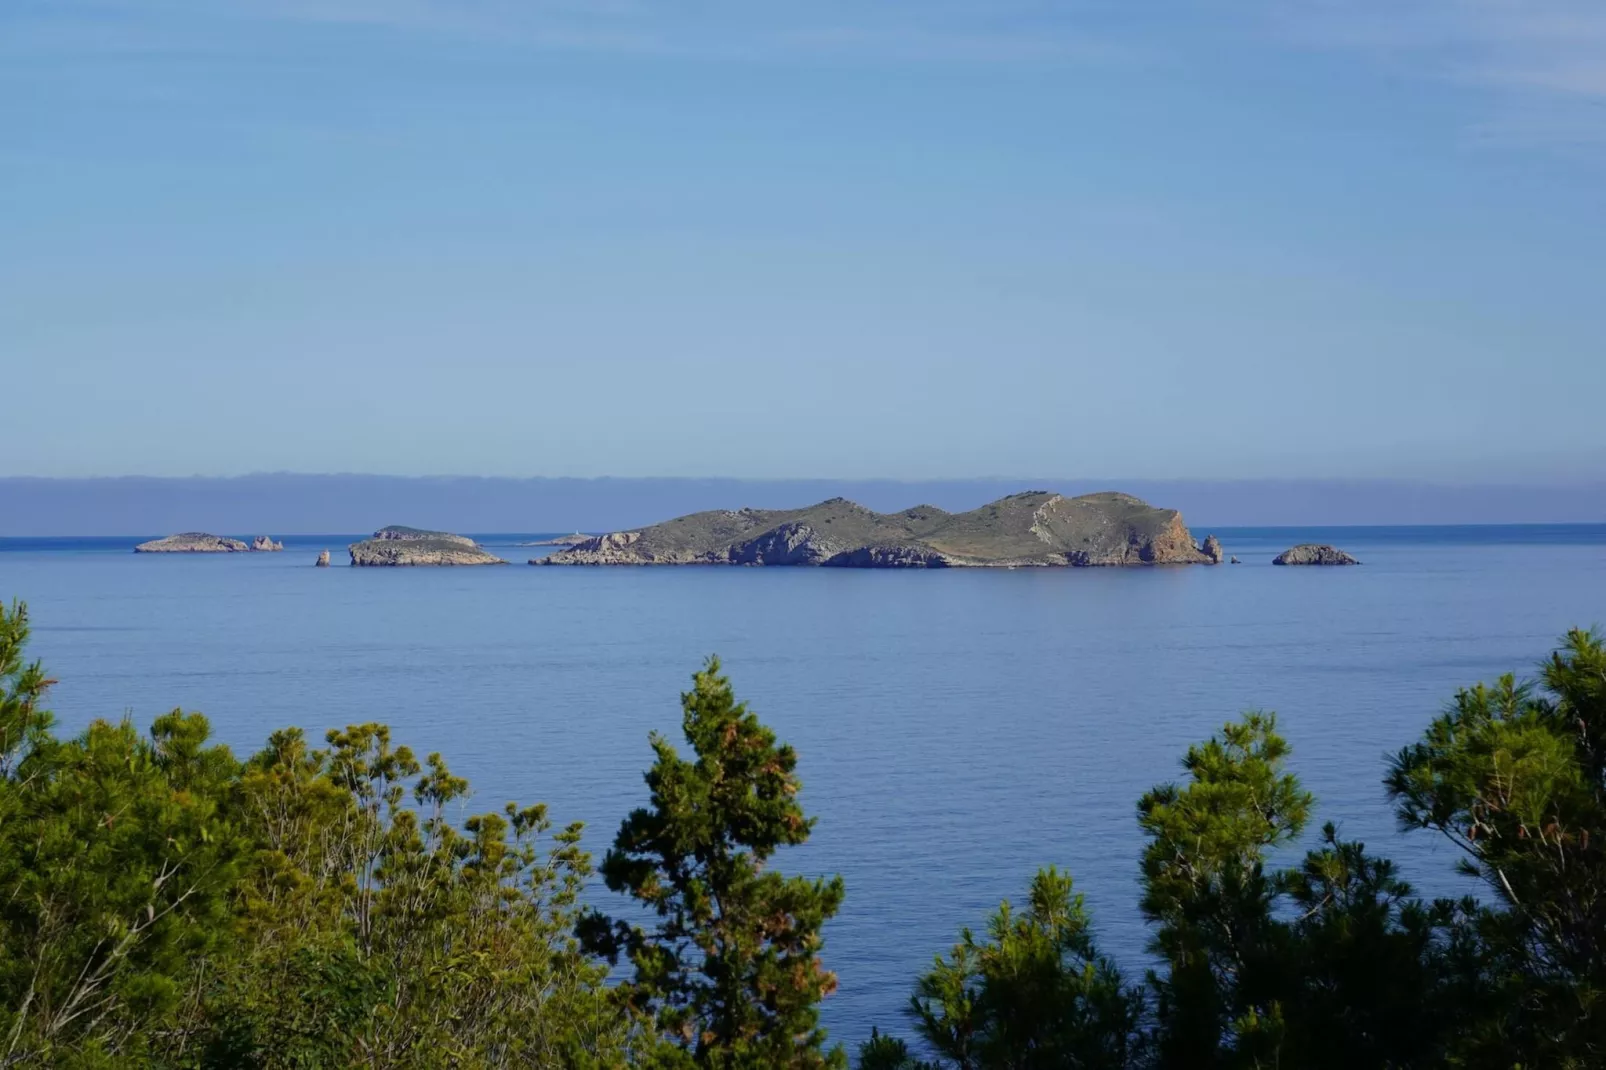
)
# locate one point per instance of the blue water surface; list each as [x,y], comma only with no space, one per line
[957,729]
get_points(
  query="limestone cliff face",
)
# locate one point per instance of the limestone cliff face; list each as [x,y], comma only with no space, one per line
[1036,529]
[890,557]
[612,549]
[789,544]
[399,546]
[192,542]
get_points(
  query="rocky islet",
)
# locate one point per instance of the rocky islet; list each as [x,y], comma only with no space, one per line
[193,542]
[398,546]
[1031,529]
[1311,553]
[201,542]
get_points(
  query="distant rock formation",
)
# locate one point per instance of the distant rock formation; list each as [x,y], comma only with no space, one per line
[397,545]
[1313,554]
[192,542]
[561,540]
[1212,549]
[402,533]
[1037,528]
[265,544]
[323,560]
[1233,561]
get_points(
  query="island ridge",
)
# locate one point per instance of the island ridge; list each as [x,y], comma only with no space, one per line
[1031,529]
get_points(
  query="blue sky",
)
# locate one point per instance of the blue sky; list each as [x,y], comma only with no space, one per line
[913,239]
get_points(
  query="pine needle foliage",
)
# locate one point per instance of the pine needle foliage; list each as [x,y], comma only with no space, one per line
[1035,994]
[1514,775]
[730,974]
[163,904]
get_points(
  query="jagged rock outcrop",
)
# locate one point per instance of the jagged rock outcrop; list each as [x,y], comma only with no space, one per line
[1313,554]
[1232,561]
[192,542]
[1211,548]
[399,546]
[789,544]
[1037,528]
[890,557]
[265,544]
[323,560]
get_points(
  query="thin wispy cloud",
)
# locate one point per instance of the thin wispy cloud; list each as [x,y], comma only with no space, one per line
[1535,69]
[1541,64]
[959,30]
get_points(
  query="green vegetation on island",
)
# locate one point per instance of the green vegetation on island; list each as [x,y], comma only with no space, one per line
[164,903]
[1036,528]
[192,542]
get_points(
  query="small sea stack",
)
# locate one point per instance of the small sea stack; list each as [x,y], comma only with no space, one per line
[1313,554]
[192,542]
[323,560]
[265,544]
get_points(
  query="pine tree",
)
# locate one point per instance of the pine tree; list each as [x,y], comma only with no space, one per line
[1515,776]
[730,975]
[1035,995]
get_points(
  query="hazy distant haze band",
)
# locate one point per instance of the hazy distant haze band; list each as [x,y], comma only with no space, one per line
[290,503]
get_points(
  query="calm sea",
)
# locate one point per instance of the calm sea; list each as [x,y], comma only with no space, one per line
[957,729]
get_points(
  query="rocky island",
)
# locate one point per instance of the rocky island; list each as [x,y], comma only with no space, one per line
[265,544]
[1036,528]
[192,542]
[1311,553]
[397,545]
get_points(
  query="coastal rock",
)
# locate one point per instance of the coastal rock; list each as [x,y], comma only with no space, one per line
[789,544]
[610,549]
[1211,548]
[561,540]
[1313,554]
[265,544]
[402,546]
[1034,528]
[890,557]
[1232,561]
[323,560]
[192,542]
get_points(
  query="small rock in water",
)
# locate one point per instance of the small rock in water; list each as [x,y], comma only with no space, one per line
[1232,561]
[265,543]
[323,559]
[1212,549]
[1312,554]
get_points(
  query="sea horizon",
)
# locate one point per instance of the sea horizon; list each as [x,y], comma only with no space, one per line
[1539,531]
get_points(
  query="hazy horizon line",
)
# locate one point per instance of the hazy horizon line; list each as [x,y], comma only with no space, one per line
[1426,481]
[54,506]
